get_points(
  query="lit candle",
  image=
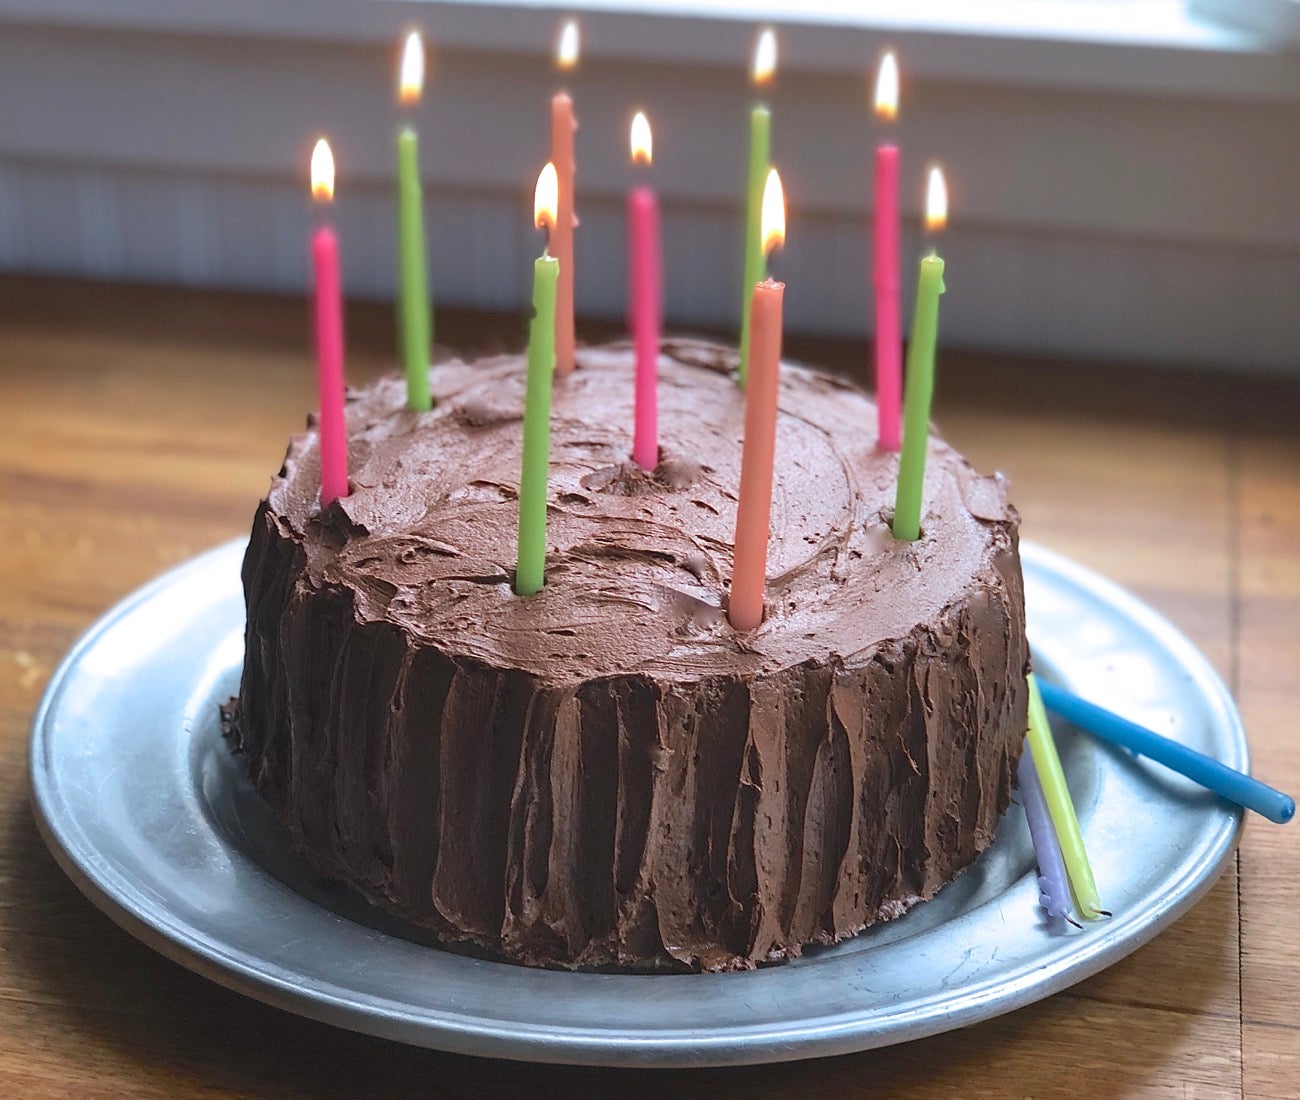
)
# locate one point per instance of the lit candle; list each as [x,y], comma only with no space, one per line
[1052,776]
[1053,880]
[414,307]
[754,508]
[563,125]
[760,153]
[530,573]
[889,375]
[920,371]
[645,285]
[329,335]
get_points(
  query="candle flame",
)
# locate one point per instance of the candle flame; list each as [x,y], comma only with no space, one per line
[772,221]
[764,57]
[546,199]
[566,47]
[887,87]
[411,81]
[322,172]
[936,201]
[642,142]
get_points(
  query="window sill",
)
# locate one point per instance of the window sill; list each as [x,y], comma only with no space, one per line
[1139,46]
[1114,199]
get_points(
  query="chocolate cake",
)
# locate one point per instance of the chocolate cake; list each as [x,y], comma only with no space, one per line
[607,772]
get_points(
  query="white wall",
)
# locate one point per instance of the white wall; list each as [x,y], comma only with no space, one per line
[1149,223]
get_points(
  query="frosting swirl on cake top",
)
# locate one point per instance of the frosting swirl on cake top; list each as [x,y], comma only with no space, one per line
[638,562]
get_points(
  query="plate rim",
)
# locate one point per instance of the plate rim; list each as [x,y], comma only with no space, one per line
[438,1028]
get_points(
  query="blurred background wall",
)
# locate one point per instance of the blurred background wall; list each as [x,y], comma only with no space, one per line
[1124,186]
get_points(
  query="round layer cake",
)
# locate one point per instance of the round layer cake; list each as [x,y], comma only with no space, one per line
[607,772]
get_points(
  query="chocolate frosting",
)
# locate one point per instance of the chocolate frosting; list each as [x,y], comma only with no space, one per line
[607,772]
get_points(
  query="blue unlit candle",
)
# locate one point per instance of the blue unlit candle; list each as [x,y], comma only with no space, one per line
[1224,781]
[1053,880]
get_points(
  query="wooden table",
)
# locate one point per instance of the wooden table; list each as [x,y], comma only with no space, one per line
[140,426]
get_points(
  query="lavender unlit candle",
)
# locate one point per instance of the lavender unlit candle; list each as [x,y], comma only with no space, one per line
[1053,881]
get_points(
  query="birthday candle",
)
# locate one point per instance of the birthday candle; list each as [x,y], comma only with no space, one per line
[1235,786]
[645,290]
[414,306]
[754,506]
[329,335]
[760,151]
[530,571]
[889,375]
[920,373]
[563,125]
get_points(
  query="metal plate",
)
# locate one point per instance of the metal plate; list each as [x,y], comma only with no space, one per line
[145,809]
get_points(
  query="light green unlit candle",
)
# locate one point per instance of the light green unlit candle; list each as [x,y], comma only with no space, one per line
[530,571]
[414,310]
[1060,806]
[918,392]
[760,152]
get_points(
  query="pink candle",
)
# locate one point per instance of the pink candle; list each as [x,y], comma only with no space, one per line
[645,288]
[754,507]
[329,336]
[889,374]
[560,242]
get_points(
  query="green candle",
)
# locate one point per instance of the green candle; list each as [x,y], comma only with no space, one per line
[414,308]
[1052,777]
[530,573]
[760,151]
[917,394]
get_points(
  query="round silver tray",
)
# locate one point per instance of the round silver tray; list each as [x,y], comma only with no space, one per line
[146,810]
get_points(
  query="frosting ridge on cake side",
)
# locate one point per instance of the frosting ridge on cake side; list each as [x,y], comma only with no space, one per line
[607,772]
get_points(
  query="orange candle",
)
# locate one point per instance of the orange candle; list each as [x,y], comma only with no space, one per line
[563,125]
[754,509]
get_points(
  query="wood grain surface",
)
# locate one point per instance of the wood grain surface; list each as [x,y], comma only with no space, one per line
[139,426]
